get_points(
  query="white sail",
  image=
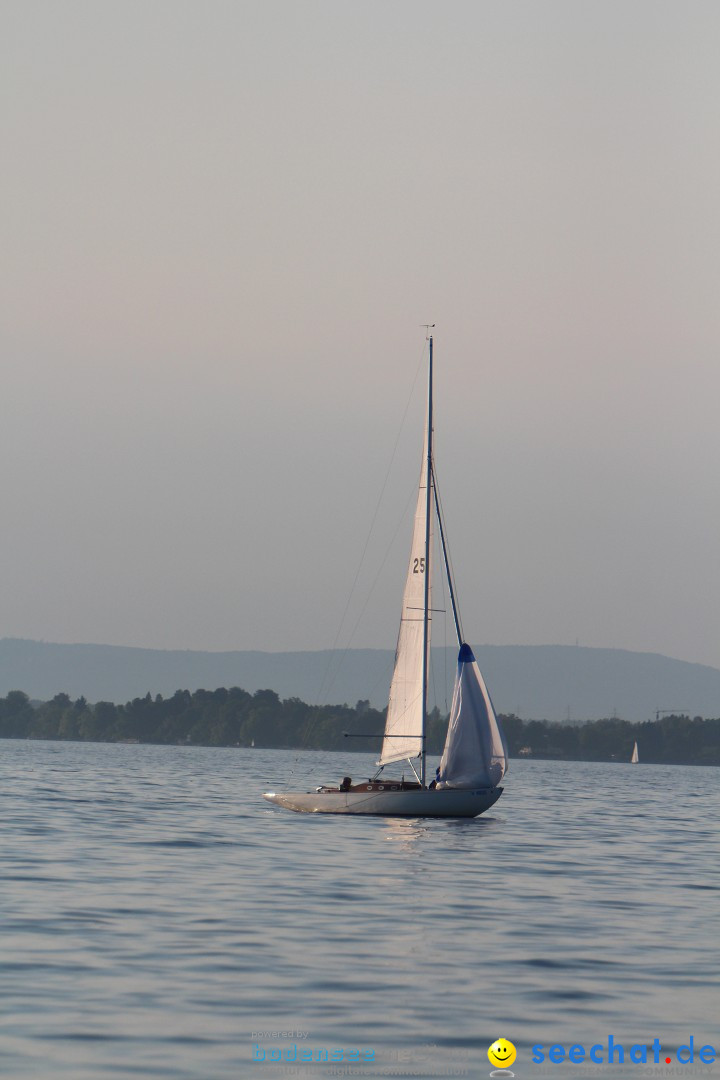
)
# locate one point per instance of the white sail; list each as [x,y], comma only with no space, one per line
[404,724]
[475,753]
[635,756]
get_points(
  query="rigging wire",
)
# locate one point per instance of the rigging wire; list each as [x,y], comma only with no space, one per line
[445,644]
[448,557]
[325,686]
[322,689]
[391,544]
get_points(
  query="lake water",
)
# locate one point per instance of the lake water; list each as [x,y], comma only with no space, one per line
[159,919]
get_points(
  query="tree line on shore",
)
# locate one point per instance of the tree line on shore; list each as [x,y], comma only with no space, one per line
[234,717]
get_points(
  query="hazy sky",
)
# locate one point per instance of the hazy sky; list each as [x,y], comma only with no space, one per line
[222,224]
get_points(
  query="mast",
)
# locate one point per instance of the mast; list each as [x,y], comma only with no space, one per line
[405,725]
[426,605]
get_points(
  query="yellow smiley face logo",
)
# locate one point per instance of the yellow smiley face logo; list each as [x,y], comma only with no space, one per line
[502,1053]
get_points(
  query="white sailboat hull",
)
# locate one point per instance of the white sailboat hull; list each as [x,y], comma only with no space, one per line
[416,803]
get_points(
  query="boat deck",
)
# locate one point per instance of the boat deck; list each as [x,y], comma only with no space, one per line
[373,785]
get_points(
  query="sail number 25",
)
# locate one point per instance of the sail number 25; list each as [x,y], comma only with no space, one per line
[419,566]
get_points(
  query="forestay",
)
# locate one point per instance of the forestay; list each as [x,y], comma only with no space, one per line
[475,754]
[404,724]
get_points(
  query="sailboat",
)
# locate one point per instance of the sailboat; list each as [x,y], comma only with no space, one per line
[475,757]
[634,760]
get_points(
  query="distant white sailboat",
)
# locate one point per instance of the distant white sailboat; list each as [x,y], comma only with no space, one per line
[475,758]
[635,756]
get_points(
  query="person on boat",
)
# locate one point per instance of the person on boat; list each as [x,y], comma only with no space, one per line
[434,783]
[346,782]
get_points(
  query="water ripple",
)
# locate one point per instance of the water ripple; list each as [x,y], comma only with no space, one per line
[158,912]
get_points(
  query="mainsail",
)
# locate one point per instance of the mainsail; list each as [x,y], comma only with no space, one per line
[635,756]
[475,753]
[404,724]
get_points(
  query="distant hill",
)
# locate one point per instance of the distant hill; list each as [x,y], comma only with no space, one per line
[535,681]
